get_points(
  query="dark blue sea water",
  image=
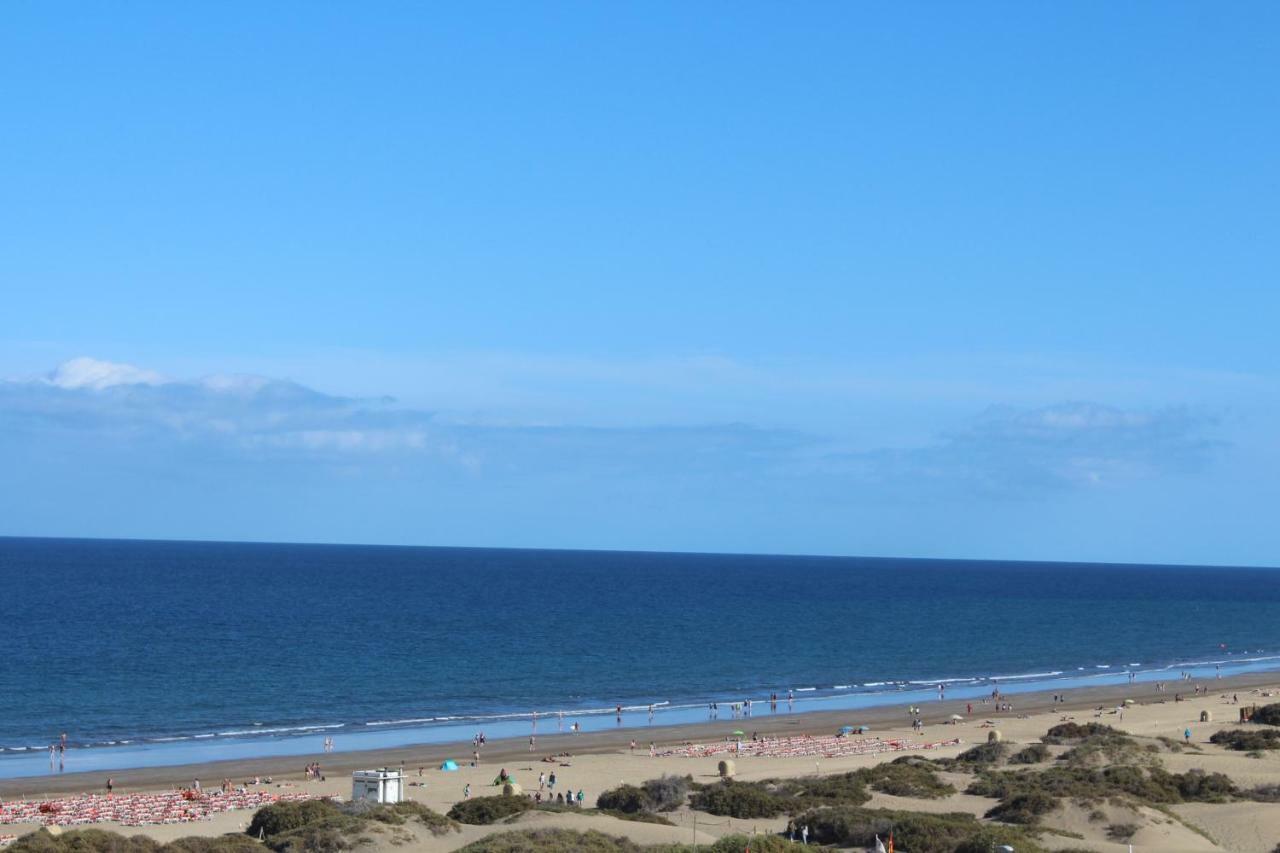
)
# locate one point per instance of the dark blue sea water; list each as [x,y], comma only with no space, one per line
[236,649]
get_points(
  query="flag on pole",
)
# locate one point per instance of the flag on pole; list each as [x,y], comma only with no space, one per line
[890,841]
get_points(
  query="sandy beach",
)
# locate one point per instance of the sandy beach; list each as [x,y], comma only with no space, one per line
[603,760]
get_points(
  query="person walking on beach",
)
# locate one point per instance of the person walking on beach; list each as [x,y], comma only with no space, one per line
[804,834]
[531,739]
[475,758]
[466,792]
[1186,734]
[542,781]
[111,785]
[551,781]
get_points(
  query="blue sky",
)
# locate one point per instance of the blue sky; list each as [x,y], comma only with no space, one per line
[989,280]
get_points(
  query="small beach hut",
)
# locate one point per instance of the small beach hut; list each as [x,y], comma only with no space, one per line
[1206,717]
[449,765]
[993,736]
[378,786]
[727,769]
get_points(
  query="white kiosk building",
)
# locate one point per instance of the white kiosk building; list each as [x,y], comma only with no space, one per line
[378,786]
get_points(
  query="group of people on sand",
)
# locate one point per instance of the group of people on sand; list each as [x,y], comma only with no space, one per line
[313,773]
[547,783]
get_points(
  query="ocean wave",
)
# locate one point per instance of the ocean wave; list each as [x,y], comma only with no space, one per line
[1053,674]
[280,730]
[932,681]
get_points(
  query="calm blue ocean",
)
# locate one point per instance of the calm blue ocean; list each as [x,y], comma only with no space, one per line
[144,642]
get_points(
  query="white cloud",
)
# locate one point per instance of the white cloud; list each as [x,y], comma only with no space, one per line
[1003,453]
[91,373]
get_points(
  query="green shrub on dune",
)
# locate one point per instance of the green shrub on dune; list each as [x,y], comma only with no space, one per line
[740,800]
[624,798]
[223,844]
[664,794]
[774,797]
[848,789]
[482,811]
[984,753]
[552,841]
[1245,740]
[667,793]
[1268,715]
[907,778]
[1033,754]
[1144,785]
[279,818]
[322,825]
[101,841]
[739,843]
[1075,732]
[914,831]
[82,841]
[1023,808]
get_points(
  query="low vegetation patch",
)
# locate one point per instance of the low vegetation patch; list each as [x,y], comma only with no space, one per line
[592,841]
[1268,715]
[907,777]
[741,800]
[101,841]
[1247,740]
[1033,754]
[1143,785]
[1023,808]
[1122,832]
[482,811]
[664,794]
[982,754]
[920,833]
[320,825]
[552,841]
[1069,733]
[1263,794]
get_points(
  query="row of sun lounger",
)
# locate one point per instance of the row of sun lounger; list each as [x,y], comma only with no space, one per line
[791,747]
[136,809]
